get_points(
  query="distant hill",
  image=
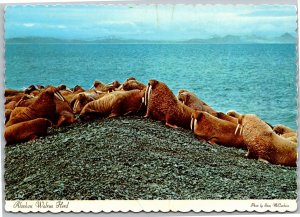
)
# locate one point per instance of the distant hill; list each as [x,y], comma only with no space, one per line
[286,38]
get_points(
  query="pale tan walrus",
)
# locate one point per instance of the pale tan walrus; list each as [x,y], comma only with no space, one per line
[264,144]
[114,104]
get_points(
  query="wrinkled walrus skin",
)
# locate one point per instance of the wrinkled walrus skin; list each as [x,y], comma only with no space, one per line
[26,131]
[114,104]
[192,101]
[264,144]
[216,131]
[164,106]
[43,107]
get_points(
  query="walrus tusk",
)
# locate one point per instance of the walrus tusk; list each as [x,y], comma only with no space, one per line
[59,96]
[149,92]
[183,102]
[146,98]
[195,123]
[143,100]
[68,89]
[192,124]
[241,131]
[75,106]
[236,129]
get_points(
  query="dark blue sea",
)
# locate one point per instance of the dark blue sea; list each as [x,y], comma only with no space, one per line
[249,78]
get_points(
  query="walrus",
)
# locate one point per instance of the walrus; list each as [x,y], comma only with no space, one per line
[282,129]
[64,90]
[115,84]
[264,144]
[26,131]
[133,84]
[29,89]
[215,130]
[43,107]
[292,136]
[77,89]
[64,112]
[25,101]
[234,114]
[226,117]
[103,87]
[163,105]
[11,105]
[7,114]
[16,97]
[114,104]
[192,101]
[12,92]
[81,99]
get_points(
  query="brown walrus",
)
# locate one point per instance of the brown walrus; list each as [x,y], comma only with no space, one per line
[215,130]
[64,112]
[163,105]
[264,144]
[11,105]
[114,104]
[98,85]
[132,84]
[234,114]
[16,97]
[26,131]
[282,129]
[192,101]
[26,101]
[7,114]
[226,117]
[43,107]
[11,92]
[77,89]
[81,99]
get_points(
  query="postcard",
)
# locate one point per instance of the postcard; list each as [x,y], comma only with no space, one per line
[155,107]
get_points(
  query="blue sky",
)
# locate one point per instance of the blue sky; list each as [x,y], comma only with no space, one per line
[155,22]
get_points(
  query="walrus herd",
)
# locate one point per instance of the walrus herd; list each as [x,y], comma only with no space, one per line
[30,112]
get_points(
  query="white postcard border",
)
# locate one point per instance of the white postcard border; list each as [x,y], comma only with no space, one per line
[56,206]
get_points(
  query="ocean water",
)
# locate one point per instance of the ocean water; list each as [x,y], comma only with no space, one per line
[248,78]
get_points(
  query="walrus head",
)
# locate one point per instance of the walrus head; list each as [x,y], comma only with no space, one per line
[64,87]
[133,84]
[53,91]
[195,117]
[40,87]
[96,84]
[29,89]
[77,88]
[80,102]
[183,96]
[131,79]
[115,84]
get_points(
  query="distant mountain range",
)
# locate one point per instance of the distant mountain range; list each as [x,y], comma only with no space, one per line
[228,39]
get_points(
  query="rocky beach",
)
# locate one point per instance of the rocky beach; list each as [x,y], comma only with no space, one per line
[127,158]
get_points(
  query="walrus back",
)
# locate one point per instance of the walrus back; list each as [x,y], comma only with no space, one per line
[27,130]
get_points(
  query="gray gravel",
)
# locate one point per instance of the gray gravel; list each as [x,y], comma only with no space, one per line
[137,158]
